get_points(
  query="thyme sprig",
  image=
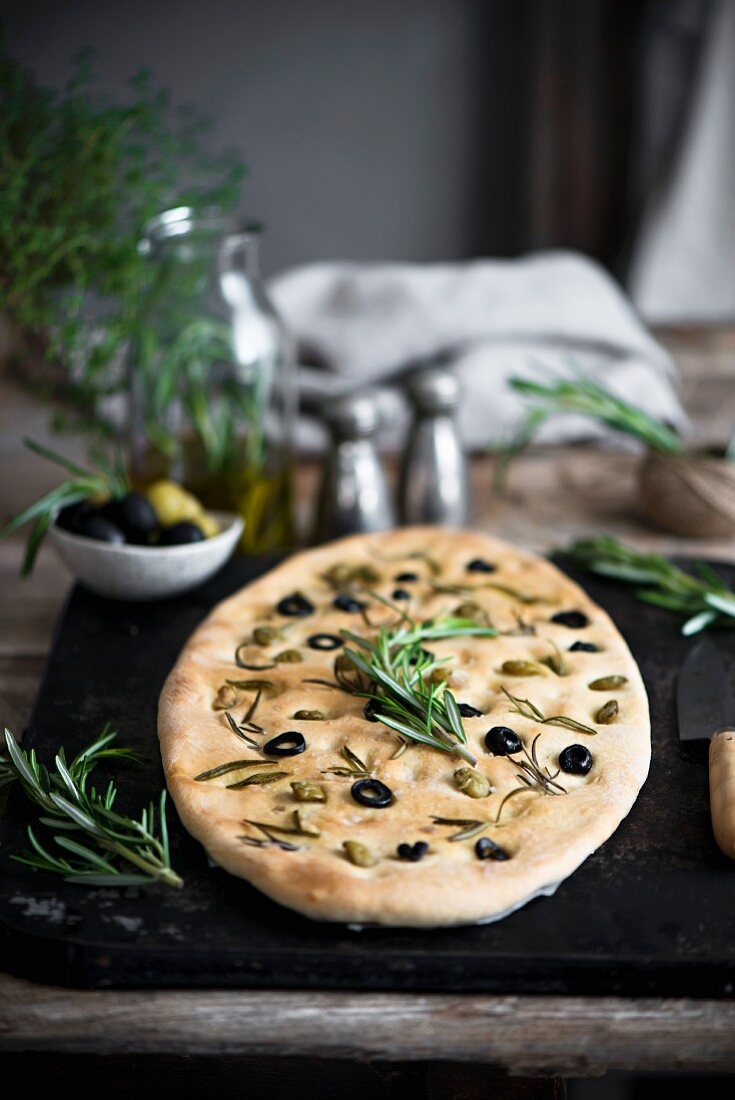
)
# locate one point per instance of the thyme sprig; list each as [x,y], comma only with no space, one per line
[113,844]
[396,669]
[701,596]
[529,710]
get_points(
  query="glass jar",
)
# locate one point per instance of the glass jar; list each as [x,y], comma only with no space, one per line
[212,381]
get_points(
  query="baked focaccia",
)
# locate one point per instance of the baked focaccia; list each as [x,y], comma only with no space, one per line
[423,727]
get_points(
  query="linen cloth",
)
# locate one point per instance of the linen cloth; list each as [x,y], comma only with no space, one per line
[366,325]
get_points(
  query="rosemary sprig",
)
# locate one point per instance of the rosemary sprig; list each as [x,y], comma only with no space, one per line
[529,710]
[705,600]
[396,670]
[113,843]
[581,395]
[109,481]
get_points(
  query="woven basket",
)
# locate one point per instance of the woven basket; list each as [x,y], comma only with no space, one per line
[692,494]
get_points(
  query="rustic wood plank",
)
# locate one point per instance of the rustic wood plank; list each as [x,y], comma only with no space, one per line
[523,1035]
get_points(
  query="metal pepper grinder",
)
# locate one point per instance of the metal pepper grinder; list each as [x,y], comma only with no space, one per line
[354,494]
[434,485]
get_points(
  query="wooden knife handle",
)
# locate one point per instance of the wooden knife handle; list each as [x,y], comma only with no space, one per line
[722,789]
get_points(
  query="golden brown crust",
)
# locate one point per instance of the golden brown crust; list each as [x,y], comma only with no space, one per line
[547,837]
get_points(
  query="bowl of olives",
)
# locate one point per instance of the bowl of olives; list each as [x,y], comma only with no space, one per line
[143,546]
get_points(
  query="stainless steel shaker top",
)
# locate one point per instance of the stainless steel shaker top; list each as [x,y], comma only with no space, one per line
[354,494]
[434,479]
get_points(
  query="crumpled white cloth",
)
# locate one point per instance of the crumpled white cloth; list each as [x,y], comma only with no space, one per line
[364,325]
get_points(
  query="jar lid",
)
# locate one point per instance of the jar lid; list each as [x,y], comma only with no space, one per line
[433,389]
[351,415]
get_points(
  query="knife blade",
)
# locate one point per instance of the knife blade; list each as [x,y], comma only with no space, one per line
[704,701]
[704,705]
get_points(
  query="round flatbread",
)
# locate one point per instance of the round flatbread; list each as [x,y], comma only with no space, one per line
[557,674]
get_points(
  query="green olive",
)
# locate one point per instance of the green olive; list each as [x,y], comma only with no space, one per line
[468,610]
[304,791]
[607,713]
[472,783]
[520,668]
[266,635]
[172,503]
[309,715]
[359,854]
[608,683]
[289,657]
[341,576]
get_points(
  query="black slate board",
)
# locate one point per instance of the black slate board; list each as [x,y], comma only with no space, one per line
[652,912]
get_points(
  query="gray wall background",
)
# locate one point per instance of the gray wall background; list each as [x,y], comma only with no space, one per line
[365,123]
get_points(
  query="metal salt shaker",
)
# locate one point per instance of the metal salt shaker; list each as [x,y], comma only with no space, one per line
[434,485]
[354,494]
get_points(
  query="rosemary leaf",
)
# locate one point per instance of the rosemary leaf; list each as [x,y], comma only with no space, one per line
[231,766]
[259,779]
[703,600]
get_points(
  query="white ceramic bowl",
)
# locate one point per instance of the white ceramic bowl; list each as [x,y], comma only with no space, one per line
[145,572]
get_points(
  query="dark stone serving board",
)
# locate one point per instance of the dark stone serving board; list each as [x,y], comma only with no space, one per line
[651,912]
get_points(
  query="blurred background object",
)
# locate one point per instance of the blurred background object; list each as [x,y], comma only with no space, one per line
[443,177]
[433,129]
[354,494]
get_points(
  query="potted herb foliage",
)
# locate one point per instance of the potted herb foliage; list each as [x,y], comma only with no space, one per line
[81,178]
[688,491]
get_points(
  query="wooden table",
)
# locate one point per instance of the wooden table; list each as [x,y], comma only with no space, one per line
[553,495]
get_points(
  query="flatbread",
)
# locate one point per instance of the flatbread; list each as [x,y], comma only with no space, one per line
[545,835]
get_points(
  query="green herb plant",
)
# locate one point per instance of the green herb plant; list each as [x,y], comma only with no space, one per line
[92,844]
[82,177]
[701,597]
[110,480]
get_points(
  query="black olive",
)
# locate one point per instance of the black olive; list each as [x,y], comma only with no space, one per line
[401,594]
[181,534]
[371,710]
[468,711]
[134,515]
[380,797]
[502,741]
[584,647]
[479,565]
[295,605]
[345,602]
[575,620]
[97,527]
[575,759]
[425,653]
[324,641]
[406,578]
[73,516]
[285,744]
[488,849]
[413,852]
